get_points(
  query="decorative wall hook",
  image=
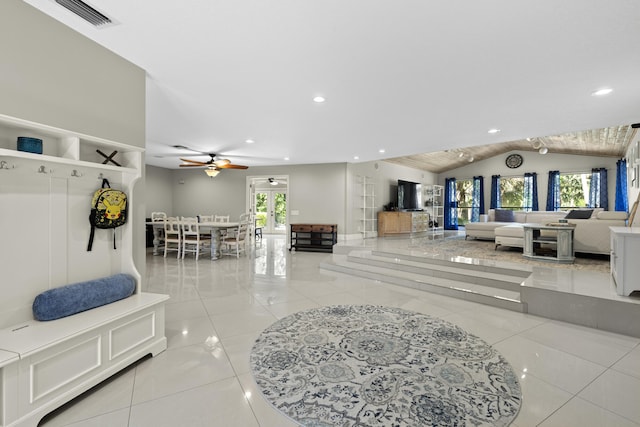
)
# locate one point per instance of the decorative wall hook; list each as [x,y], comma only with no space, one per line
[42,169]
[100,176]
[76,173]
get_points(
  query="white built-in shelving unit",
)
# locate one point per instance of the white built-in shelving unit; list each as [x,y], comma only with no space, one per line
[46,202]
[433,196]
[44,224]
[366,206]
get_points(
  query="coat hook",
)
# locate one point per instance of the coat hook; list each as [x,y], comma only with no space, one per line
[100,176]
[76,173]
[42,169]
[5,165]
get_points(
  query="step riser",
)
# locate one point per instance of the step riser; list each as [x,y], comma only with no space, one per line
[460,265]
[428,272]
[427,287]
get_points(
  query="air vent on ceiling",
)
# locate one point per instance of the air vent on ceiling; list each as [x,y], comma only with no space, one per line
[86,12]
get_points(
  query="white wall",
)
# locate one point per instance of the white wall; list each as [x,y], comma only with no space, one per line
[316,191]
[51,74]
[540,164]
[158,190]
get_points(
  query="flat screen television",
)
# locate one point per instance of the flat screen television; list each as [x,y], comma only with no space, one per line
[409,196]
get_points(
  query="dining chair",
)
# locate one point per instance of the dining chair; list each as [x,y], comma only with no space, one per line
[172,236]
[159,217]
[192,240]
[242,218]
[222,218]
[237,241]
[205,218]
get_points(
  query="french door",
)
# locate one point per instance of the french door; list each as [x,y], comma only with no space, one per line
[271,210]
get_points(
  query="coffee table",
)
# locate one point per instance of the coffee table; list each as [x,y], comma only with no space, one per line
[549,242]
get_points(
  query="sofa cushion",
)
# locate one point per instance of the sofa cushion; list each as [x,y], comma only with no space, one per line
[504,215]
[612,215]
[511,230]
[579,214]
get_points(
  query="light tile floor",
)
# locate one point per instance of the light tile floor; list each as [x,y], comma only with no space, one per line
[570,375]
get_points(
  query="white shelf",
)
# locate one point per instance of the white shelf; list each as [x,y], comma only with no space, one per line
[434,206]
[366,190]
[43,158]
[60,146]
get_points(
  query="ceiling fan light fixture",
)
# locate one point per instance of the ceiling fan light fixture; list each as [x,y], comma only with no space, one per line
[221,162]
[212,171]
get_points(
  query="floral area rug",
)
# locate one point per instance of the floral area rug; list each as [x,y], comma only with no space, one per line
[485,249]
[363,365]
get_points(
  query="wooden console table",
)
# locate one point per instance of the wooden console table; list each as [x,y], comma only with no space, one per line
[314,237]
[555,244]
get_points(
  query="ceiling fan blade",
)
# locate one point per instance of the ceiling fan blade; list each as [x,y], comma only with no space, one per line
[198,162]
[232,166]
[189,165]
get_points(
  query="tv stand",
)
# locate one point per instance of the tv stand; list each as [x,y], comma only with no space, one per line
[394,223]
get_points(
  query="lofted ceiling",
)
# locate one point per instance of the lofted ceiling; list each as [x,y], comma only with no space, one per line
[608,142]
[399,78]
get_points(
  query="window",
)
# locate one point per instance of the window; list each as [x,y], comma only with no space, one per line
[464,196]
[512,193]
[574,190]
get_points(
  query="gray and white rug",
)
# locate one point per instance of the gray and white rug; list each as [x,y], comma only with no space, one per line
[484,249]
[363,365]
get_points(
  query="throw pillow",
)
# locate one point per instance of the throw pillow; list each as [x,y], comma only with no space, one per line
[579,214]
[504,215]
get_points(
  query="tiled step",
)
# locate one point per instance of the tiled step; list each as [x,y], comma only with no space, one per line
[508,269]
[494,296]
[495,278]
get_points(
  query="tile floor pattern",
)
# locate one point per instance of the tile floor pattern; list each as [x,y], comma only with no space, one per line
[570,375]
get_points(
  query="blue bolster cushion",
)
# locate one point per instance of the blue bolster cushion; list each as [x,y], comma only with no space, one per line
[71,299]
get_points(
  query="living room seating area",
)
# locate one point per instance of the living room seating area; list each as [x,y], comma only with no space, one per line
[591,233]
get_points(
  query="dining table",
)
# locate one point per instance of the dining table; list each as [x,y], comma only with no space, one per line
[213,226]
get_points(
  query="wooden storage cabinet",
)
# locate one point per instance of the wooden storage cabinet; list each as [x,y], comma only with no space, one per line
[390,223]
[314,237]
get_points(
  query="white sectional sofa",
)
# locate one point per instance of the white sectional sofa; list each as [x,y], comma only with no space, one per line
[590,236]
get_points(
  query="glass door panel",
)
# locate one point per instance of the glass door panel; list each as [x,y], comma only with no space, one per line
[271,211]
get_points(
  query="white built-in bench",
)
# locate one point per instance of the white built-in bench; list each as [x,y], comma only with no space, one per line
[45,364]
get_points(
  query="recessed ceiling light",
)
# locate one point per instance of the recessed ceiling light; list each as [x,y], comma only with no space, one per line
[286,158]
[356,158]
[492,131]
[381,150]
[602,92]
[249,141]
[318,99]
